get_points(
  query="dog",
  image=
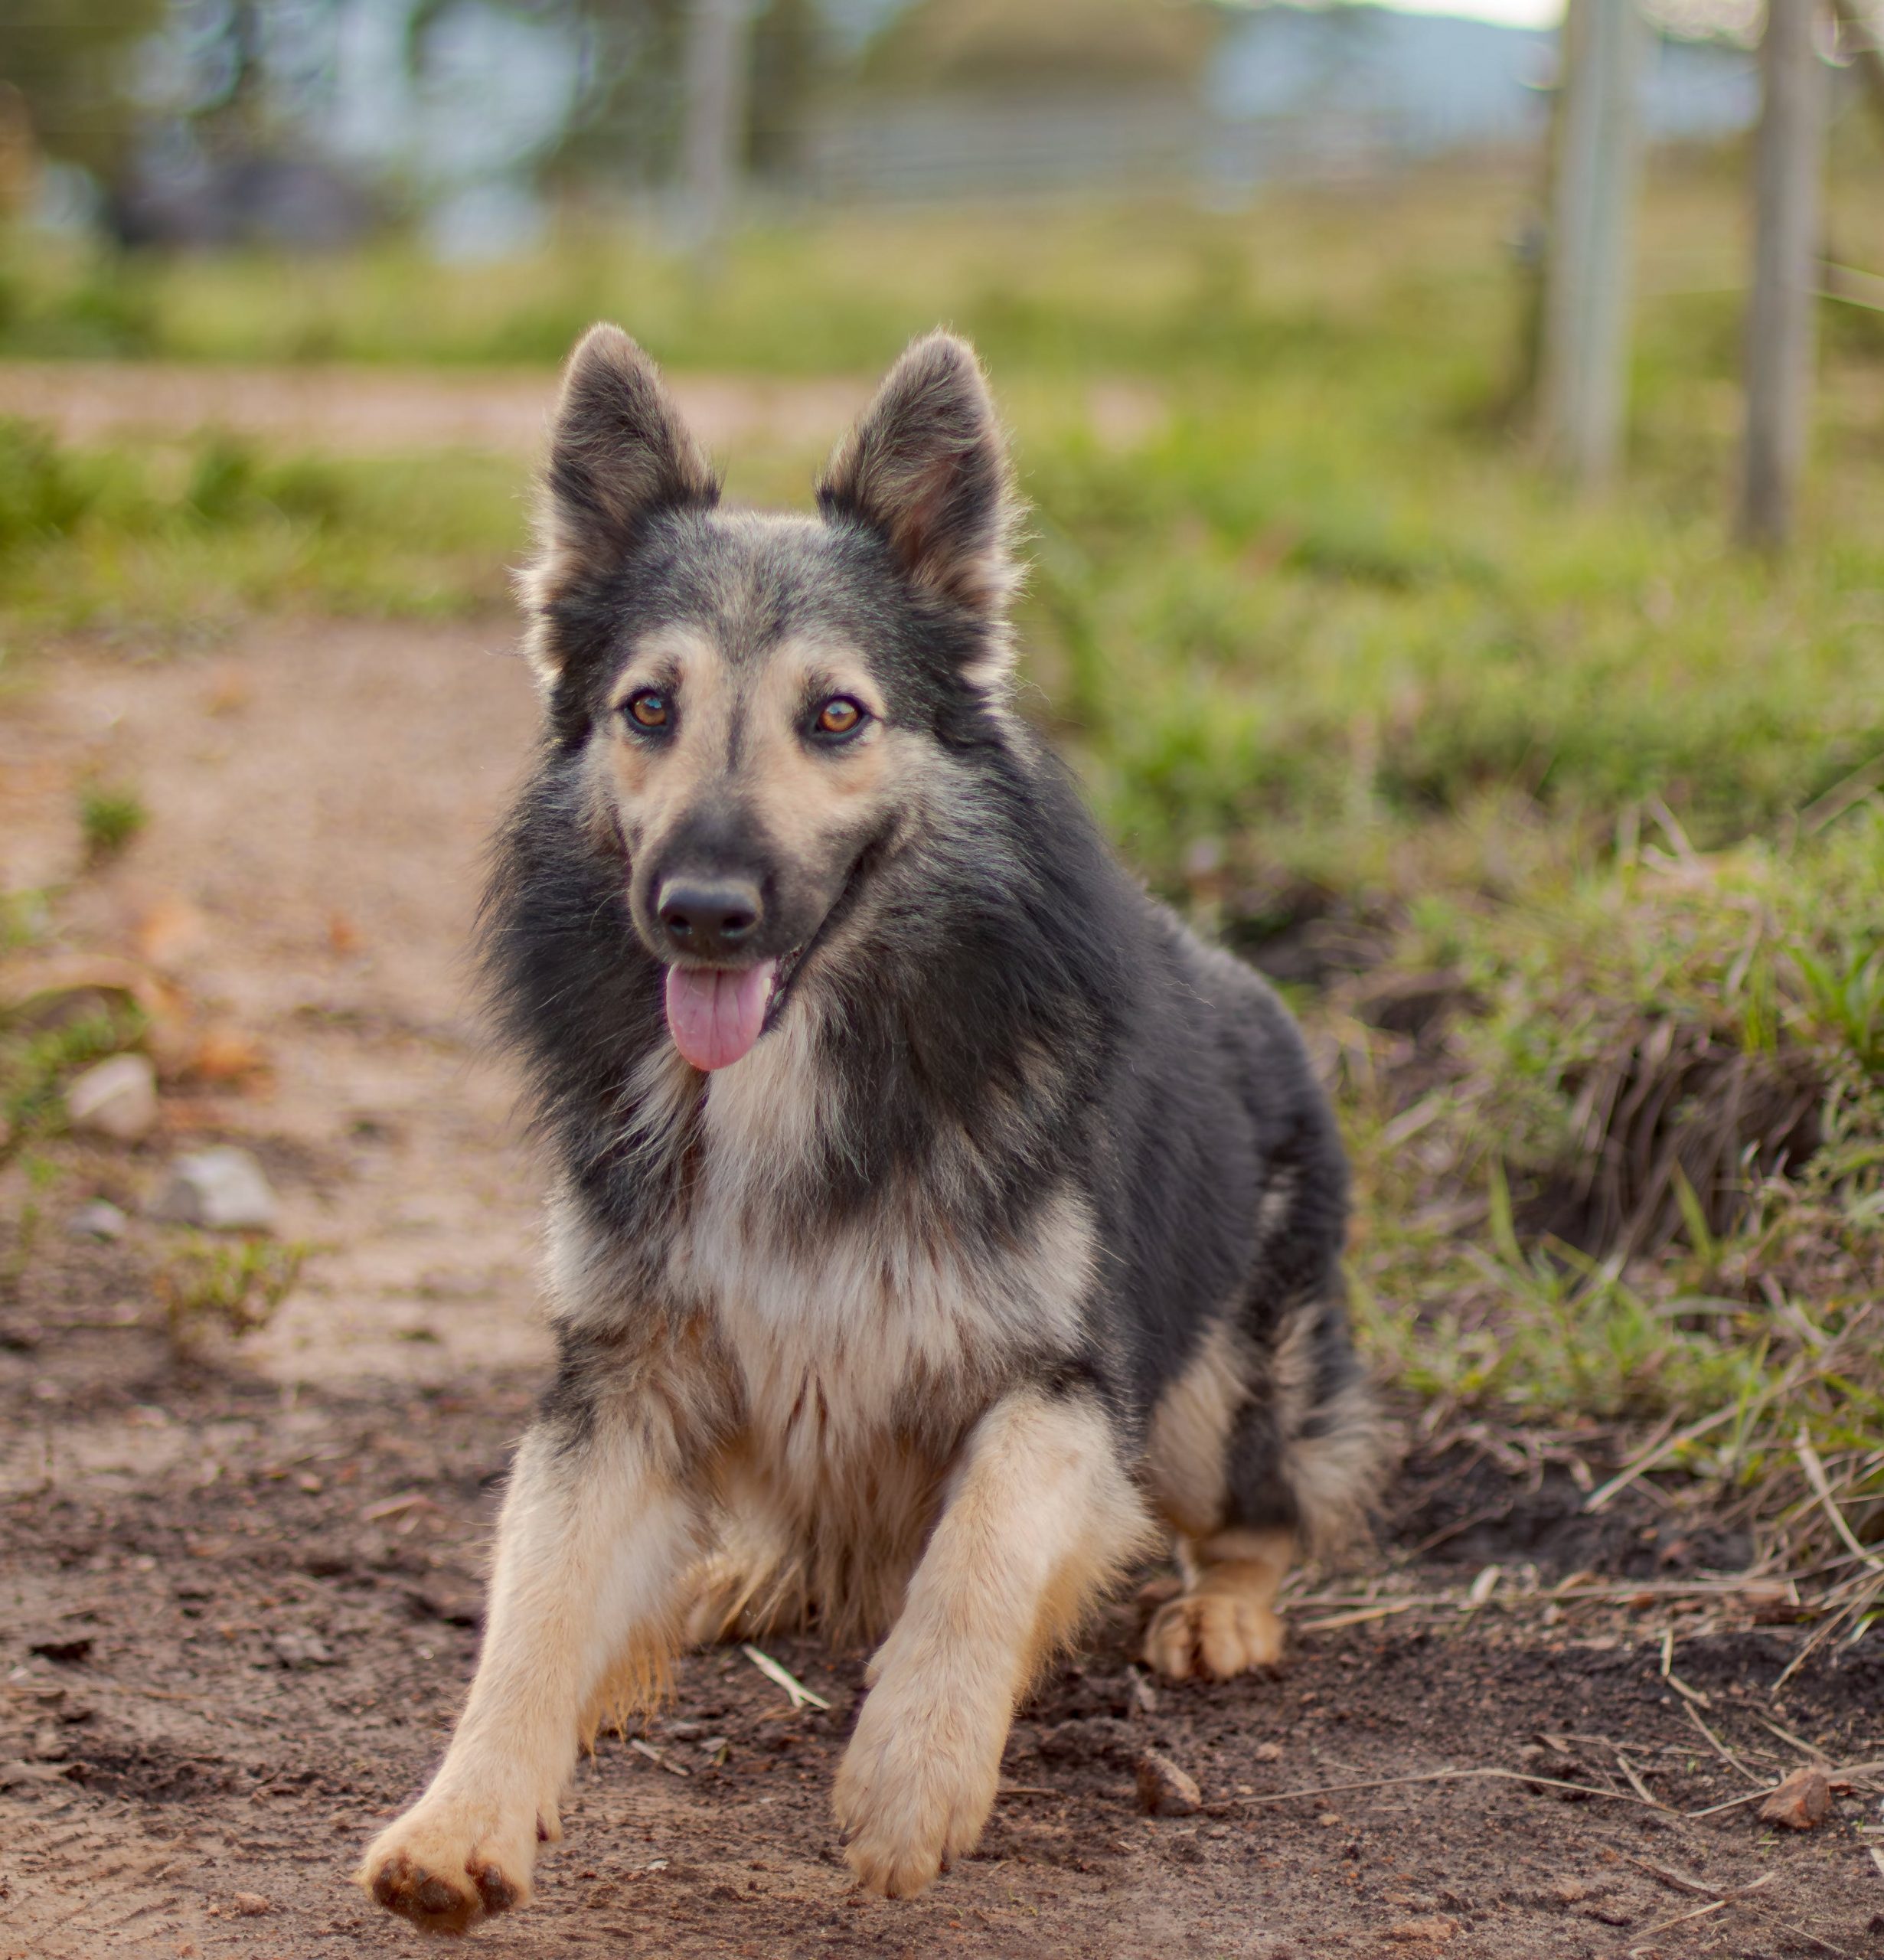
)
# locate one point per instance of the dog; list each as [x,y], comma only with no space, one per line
[939,1226]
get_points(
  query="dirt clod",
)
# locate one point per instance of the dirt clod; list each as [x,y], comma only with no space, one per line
[70,1648]
[1164,1789]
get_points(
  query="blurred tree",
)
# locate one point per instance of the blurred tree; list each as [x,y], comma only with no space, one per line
[72,62]
[625,126]
[791,57]
[627,115]
[996,43]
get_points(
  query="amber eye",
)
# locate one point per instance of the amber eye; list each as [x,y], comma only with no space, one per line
[648,709]
[839,716]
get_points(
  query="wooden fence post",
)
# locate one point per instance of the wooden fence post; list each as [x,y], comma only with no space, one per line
[1789,159]
[1584,399]
[714,125]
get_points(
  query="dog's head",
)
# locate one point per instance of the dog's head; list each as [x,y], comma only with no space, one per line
[759,704]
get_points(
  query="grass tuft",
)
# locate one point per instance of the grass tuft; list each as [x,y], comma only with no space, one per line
[233,1289]
[110,817]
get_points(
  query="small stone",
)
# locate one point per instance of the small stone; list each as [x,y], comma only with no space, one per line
[303,1650]
[249,1905]
[222,1190]
[101,1219]
[1802,1800]
[117,1099]
[1164,1789]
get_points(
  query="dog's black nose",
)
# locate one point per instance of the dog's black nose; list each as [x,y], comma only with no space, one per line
[709,918]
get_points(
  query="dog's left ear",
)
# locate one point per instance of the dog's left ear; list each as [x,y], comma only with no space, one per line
[926,468]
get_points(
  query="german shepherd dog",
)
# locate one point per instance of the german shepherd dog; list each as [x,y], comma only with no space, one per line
[937,1221]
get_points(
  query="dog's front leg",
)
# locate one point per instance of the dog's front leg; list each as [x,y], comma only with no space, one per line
[594,1540]
[1040,1515]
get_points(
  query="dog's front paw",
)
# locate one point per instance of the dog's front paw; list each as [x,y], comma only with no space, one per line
[451,1861]
[1217,1633]
[915,1788]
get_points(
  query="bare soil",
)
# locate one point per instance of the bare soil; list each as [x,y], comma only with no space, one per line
[239,1583]
[357,411]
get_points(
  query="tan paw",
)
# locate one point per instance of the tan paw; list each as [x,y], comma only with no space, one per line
[450,1862]
[1217,1633]
[915,1787]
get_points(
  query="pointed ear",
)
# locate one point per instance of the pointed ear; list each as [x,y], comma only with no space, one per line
[618,454]
[926,468]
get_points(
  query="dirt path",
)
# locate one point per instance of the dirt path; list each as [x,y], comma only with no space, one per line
[239,1593]
[368,411]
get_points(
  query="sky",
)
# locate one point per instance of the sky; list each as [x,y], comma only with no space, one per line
[1507,13]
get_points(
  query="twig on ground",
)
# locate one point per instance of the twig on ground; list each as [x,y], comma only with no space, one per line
[377,1514]
[799,1694]
[1641,1789]
[1682,1919]
[1680,1882]
[1667,1446]
[1822,1489]
[1719,1748]
[1853,1608]
[1362,1613]
[1439,1776]
[1733,1803]
[1717,1898]
[1484,1516]
[1799,1742]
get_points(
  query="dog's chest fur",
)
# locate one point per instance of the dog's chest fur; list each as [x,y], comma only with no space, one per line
[841,1367]
[886,1325]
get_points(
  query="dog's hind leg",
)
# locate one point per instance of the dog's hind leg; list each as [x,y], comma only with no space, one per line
[1225,1620]
[1040,1515]
[1258,1447]
[592,1548]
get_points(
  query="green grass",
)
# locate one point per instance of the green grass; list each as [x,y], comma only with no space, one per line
[231,1288]
[168,541]
[36,1063]
[110,817]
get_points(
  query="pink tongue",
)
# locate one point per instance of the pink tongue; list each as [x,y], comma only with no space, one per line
[715,1015]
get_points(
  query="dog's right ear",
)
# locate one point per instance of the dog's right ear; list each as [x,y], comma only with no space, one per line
[619,455]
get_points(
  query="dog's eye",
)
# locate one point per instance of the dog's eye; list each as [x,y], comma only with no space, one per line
[839,716]
[647,709]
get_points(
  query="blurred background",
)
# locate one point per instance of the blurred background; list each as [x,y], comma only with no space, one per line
[1456,440]
[479,128]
